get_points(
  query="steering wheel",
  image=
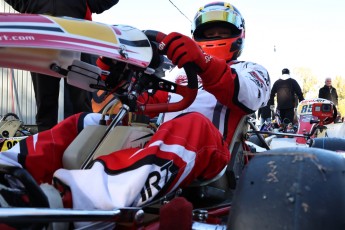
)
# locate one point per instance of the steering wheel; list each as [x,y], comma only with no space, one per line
[19,189]
[25,184]
[187,92]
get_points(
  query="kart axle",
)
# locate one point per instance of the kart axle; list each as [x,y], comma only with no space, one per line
[39,215]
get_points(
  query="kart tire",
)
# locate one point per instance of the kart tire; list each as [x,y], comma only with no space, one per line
[290,188]
[329,143]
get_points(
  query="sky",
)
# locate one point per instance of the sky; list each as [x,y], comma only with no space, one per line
[279,33]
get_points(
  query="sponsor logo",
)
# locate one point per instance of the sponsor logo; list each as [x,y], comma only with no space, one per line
[161,46]
[16,38]
[155,181]
[256,79]
[208,58]
[183,80]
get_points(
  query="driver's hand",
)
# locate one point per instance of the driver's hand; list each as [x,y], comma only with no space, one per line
[181,49]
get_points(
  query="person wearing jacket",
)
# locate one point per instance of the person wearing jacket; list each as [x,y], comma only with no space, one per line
[189,144]
[46,88]
[328,91]
[285,90]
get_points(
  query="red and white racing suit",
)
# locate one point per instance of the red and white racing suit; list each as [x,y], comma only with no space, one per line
[192,145]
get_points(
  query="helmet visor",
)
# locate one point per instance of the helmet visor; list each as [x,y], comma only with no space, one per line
[229,16]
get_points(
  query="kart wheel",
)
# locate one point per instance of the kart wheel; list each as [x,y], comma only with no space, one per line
[291,188]
[329,143]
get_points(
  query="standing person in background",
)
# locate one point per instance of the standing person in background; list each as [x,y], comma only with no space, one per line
[329,92]
[47,87]
[285,89]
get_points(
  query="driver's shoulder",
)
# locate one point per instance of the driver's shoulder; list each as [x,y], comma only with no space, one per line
[247,65]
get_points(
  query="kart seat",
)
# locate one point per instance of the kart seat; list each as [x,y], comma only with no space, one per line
[88,141]
[219,189]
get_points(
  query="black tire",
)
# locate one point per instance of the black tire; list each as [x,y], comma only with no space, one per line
[329,143]
[291,188]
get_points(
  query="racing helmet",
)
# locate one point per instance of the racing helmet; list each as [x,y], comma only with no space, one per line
[224,15]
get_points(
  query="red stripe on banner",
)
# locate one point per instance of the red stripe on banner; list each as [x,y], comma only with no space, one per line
[25,18]
[116,30]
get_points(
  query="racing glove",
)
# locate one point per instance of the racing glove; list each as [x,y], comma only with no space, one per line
[181,49]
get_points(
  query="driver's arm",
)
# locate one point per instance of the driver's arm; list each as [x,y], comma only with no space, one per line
[241,85]
[244,85]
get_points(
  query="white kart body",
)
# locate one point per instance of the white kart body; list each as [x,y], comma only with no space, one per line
[35,42]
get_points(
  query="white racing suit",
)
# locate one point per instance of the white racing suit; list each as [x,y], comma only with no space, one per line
[191,146]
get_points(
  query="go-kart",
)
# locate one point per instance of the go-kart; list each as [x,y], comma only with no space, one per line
[12,130]
[314,117]
[53,47]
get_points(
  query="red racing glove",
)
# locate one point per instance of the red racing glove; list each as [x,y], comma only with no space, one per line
[181,49]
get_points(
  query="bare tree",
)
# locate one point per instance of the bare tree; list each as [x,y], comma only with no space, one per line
[308,81]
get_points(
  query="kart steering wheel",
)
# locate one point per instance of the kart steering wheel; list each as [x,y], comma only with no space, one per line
[27,186]
[21,190]
[188,92]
